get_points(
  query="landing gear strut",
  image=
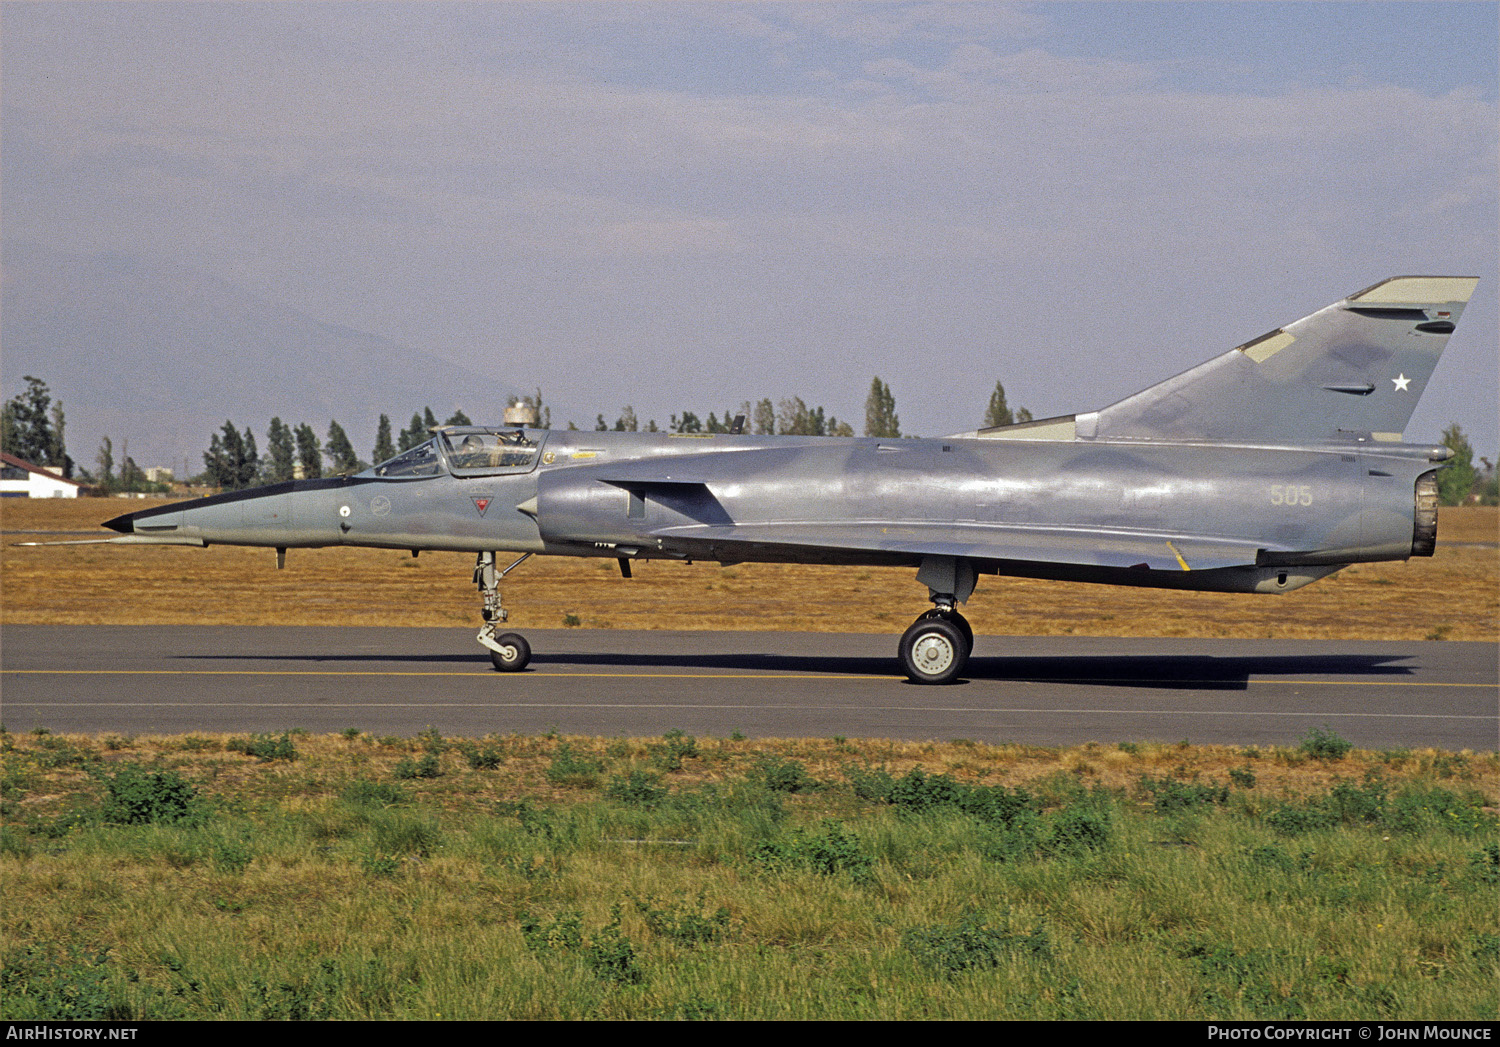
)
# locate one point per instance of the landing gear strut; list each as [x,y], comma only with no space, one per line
[509,652]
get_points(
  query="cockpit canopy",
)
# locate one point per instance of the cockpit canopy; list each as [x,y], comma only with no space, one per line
[472,449]
[467,450]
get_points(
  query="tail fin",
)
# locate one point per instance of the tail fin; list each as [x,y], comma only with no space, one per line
[1353,369]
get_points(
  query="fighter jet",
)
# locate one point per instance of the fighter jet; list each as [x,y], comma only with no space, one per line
[1261,470]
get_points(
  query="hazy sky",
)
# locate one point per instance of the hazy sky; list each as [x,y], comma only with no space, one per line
[681,205]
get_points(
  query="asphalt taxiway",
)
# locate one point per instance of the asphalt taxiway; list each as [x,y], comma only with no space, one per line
[1043,690]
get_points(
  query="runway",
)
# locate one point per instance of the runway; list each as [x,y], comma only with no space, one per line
[1041,690]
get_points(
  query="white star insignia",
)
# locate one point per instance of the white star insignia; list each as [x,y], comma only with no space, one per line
[1401,382]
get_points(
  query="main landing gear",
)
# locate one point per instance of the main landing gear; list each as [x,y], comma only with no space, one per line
[509,652]
[936,647]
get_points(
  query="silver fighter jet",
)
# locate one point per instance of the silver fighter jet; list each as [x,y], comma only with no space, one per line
[1260,471]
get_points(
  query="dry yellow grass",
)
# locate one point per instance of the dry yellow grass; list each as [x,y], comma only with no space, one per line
[1455,595]
[1280,771]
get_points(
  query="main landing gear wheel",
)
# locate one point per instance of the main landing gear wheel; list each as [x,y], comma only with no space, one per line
[957,619]
[934,650]
[513,654]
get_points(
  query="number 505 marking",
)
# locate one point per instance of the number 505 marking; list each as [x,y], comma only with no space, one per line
[1291,494]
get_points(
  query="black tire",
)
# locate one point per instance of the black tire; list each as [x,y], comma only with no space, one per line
[517,655]
[957,619]
[934,650]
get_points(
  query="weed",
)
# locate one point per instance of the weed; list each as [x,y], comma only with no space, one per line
[264,747]
[401,833]
[14,844]
[783,776]
[637,788]
[972,944]
[569,769]
[609,954]
[1485,863]
[385,865]
[428,766]
[482,758]
[362,792]
[675,748]
[135,796]
[871,783]
[571,621]
[565,931]
[1323,744]
[232,856]
[830,850]
[1270,856]
[309,998]
[683,923]
[38,984]
[1075,831]
[51,751]
[1243,777]
[1170,796]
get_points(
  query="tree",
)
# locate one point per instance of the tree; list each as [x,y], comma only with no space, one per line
[412,435]
[880,411]
[231,461]
[281,453]
[105,459]
[384,449]
[627,422]
[795,418]
[760,417]
[309,452]
[32,425]
[690,423]
[458,418]
[998,412]
[1457,478]
[340,451]
[543,412]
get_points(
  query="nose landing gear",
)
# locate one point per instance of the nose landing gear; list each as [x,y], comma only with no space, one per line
[509,652]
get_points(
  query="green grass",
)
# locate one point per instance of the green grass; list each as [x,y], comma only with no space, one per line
[734,879]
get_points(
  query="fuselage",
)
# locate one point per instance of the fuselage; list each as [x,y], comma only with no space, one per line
[1193,515]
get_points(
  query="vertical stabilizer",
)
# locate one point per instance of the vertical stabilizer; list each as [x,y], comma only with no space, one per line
[1353,369]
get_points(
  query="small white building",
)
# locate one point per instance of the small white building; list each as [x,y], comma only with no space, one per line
[19,479]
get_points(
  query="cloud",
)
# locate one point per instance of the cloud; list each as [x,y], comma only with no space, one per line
[822,176]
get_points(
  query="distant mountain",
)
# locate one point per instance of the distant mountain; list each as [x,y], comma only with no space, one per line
[162,356]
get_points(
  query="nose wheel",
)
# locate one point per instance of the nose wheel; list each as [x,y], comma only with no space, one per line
[509,652]
[936,647]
